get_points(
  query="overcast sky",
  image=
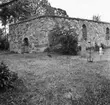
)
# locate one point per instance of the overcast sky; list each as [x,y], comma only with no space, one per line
[84,8]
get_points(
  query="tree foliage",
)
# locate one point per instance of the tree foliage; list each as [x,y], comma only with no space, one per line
[17,10]
[4,3]
[66,37]
[69,44]
[4,44]
[44,8]
[1,32]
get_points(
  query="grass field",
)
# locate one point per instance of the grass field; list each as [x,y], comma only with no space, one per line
[59,80]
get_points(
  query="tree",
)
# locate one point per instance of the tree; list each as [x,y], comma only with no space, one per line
[96,18]
[17,10]
[21,9]
[69,43]
[48,10]
[1,33]
[14,10]
[64,36]
[5,3]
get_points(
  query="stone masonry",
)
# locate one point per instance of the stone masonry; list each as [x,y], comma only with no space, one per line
[36,30]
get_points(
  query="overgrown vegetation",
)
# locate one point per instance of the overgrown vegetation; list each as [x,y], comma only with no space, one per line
[18,10]
[12,88]
[7,77]
[64,40]
[69,45]
[4,44]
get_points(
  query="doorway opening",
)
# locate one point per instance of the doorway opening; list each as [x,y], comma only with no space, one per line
[25,45]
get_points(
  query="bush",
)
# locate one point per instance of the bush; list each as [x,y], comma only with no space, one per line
[66,36]
[4,45]
[7,77]
[69,45]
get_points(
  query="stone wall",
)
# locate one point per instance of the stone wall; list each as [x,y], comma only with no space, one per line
[38,29]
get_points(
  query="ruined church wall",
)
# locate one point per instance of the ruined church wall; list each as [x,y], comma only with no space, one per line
[37,31]
[96,31]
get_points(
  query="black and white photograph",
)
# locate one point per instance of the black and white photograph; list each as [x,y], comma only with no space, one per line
[54,52]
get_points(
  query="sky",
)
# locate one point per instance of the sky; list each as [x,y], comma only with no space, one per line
[84,8]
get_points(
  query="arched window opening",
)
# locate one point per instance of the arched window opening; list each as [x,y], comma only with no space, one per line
[26,42]
[107,33]
[25,45]
[84,32]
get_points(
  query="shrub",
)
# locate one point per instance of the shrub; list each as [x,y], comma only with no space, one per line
[66,36]
[7,77]
[4,44]
[69,45]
